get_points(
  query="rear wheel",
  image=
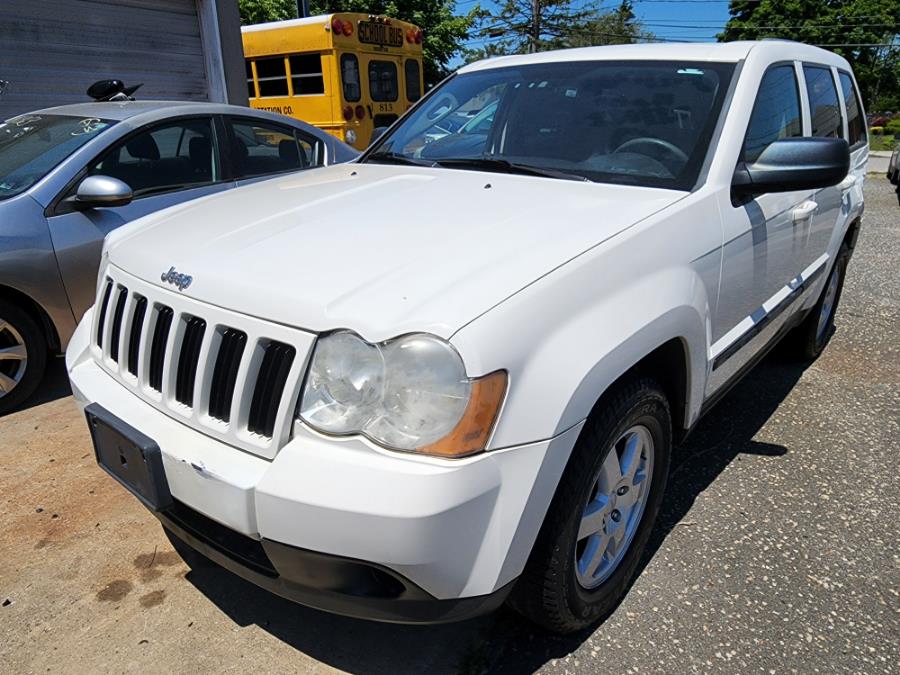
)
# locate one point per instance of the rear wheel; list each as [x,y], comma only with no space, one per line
[602,514]
[23,356]
[813,334]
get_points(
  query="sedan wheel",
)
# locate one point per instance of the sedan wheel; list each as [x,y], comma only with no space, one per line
[23,356]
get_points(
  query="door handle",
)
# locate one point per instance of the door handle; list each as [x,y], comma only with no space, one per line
[847,183]
[804,211]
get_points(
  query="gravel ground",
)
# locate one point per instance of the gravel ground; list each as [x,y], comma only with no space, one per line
[776,552]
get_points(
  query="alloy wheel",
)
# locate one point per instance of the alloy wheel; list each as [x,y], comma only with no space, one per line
[614,508]
[13,358]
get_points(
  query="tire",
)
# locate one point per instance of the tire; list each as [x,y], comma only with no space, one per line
[555,591]
[811,336]
[19,377]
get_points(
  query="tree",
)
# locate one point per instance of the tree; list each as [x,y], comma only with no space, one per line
[263,11]
[522,26]
[855,29]
[444,31]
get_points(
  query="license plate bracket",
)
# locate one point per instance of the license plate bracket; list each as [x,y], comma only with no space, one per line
[130,457]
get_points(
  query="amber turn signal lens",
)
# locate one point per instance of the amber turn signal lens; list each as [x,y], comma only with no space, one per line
[474,429]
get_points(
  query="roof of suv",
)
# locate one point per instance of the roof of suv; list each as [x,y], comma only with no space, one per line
[727,52]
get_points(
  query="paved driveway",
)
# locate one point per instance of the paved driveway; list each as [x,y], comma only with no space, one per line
[778,550]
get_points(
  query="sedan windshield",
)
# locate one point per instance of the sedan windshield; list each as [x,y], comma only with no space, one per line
[31,145]
[632,122]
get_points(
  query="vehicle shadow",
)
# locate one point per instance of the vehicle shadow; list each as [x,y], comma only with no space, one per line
[55,385]
[505,643]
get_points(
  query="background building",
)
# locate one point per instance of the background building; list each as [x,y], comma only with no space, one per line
[52,50]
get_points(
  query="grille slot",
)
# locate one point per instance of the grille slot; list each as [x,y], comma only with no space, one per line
[117,324]
[188,360]
[134,338]
[273,372]
[158,346]
[225,373]
[101,321]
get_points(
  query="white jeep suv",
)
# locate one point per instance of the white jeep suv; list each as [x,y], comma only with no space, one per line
[451,373]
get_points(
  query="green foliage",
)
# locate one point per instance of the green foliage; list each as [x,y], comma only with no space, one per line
[829,23]
[263,11]
[444,30]
[522,26]
[893,127]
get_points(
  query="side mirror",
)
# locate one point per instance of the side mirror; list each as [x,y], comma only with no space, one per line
[95,191]
[793,164]
[377,133]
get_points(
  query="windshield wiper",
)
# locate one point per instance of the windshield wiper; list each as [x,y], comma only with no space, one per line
[396,158]
[497,164]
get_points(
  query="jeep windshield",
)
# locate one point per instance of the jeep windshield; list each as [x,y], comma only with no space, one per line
[32,145]
[645,123]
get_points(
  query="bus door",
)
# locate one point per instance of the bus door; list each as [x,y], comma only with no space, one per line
[383,79]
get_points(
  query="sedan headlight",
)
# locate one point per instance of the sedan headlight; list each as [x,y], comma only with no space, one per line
[410,393]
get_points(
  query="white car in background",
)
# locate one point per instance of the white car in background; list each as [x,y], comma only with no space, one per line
[411,389]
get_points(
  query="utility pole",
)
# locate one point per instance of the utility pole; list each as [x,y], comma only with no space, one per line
[535,25]
[302,8]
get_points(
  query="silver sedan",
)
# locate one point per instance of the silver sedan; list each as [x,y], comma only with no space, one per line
[70,175]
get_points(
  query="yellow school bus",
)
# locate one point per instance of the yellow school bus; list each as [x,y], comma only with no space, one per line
[344,73]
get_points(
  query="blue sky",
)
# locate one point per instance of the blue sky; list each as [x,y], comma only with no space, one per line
[682,20]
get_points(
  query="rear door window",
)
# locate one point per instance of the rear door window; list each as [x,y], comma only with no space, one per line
[824,109]
[261,148]
[411,73]
[383,80]
[776,113]
[856,124]
[350,77]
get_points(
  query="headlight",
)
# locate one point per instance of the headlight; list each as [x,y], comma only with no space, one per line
[410,393]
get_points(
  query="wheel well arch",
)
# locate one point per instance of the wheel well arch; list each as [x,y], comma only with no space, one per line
[668,365]
[35,311]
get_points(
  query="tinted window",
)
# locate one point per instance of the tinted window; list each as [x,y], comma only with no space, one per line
[251,88]
[258,149]
[776,113]
[32,145]
[824,109]
[383,80]
[411,71]
[170,157]
[306,74]
[642,123]
[856,124]
[272,78]
[350,77]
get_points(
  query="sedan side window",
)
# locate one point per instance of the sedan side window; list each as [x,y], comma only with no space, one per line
[824,109]
[162,159]
[259,148]
[776,113]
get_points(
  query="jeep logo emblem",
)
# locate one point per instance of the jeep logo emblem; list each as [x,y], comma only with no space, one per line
[180,281]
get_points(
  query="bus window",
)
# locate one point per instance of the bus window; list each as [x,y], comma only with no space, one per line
[411,71]
[383,80]
[350,77]
[272,77]
[251,88]
[306,74]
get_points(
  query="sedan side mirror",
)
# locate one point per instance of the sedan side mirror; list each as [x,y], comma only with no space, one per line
[793,164]
[96,191]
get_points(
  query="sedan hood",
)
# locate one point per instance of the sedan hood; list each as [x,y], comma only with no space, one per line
[382,250]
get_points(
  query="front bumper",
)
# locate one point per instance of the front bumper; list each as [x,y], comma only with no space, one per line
[444,530]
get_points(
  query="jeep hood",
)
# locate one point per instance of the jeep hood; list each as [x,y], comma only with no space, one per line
[382,250]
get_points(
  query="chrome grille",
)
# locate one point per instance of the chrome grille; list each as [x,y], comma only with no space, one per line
[231,376]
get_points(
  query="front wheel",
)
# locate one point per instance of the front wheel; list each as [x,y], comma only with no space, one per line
[23,356]
[602,514]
